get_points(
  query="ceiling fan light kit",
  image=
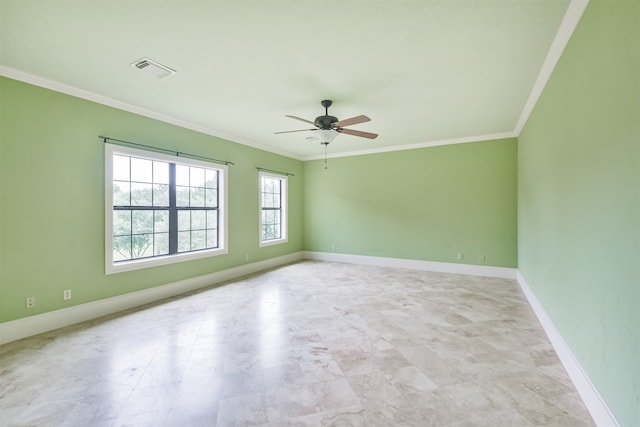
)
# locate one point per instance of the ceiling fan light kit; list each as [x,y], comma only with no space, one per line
[326,136]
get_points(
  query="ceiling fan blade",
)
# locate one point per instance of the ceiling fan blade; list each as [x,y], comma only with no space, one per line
[352,121]
[299,130]
[358,133]
[302,120]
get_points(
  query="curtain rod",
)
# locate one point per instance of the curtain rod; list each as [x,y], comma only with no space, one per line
[177,153]
[271,170]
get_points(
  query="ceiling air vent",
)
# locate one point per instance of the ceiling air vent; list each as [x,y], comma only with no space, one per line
[152,67]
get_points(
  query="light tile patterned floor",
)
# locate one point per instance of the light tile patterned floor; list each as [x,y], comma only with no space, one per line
[308,344]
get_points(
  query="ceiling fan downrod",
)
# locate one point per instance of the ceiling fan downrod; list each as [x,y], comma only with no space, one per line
[326,103]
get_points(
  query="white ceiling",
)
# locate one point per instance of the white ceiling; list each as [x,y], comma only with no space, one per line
[423,71]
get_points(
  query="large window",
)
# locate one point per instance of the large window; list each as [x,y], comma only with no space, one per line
[161,209]
[273,209]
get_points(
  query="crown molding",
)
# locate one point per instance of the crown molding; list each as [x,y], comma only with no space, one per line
[22,76]
[565,31]
[463,140]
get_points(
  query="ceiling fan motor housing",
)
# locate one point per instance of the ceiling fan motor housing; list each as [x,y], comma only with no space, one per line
[325,122]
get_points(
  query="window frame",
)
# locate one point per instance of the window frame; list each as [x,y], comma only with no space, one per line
[284,208]
[153,261]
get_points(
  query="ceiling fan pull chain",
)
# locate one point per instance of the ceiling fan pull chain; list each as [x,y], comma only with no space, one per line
[325,154]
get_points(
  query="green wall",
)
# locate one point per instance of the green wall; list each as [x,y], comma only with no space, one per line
[579,201]
[423,204]
[52,199]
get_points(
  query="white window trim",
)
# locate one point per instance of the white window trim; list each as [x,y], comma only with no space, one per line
[285,210]
[110,267]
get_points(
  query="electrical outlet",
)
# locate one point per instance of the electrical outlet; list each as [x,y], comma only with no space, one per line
[66,294]
[481,258]
[30,302]
[460,256]
[247,257]
[333,247]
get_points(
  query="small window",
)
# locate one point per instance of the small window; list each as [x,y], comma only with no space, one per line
[161,209]
[273,209]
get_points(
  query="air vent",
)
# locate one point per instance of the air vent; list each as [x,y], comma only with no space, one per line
[152,67]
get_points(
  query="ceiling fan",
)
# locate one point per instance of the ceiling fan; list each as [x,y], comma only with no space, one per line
[328,127]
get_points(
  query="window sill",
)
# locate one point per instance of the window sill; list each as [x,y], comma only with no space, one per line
[274,242]
[158,261]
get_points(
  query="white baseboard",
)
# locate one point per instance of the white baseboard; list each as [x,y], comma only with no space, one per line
[40,323]
[440,267]
[597,407]
[33,325]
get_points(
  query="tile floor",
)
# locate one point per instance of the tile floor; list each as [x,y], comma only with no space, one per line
[308,344]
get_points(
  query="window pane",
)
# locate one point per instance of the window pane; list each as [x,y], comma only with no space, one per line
[182,175]
[268,185]
[121,223]
[212,238]
[141,194]
[121,248]
[160,173]
[121,168]
[184,220]
[161,195]
[212,219]
[211,197]
[266,200]
[197,196]
[160,221]
[184,241]
[121,193]
[141,245]
[141,170]
[182,196]
[267,232]
[211,178]
[198,240]
[267,228]
[141,222]
[161,243]
[197,177]
[271,228]
[271,191]
[198,220]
